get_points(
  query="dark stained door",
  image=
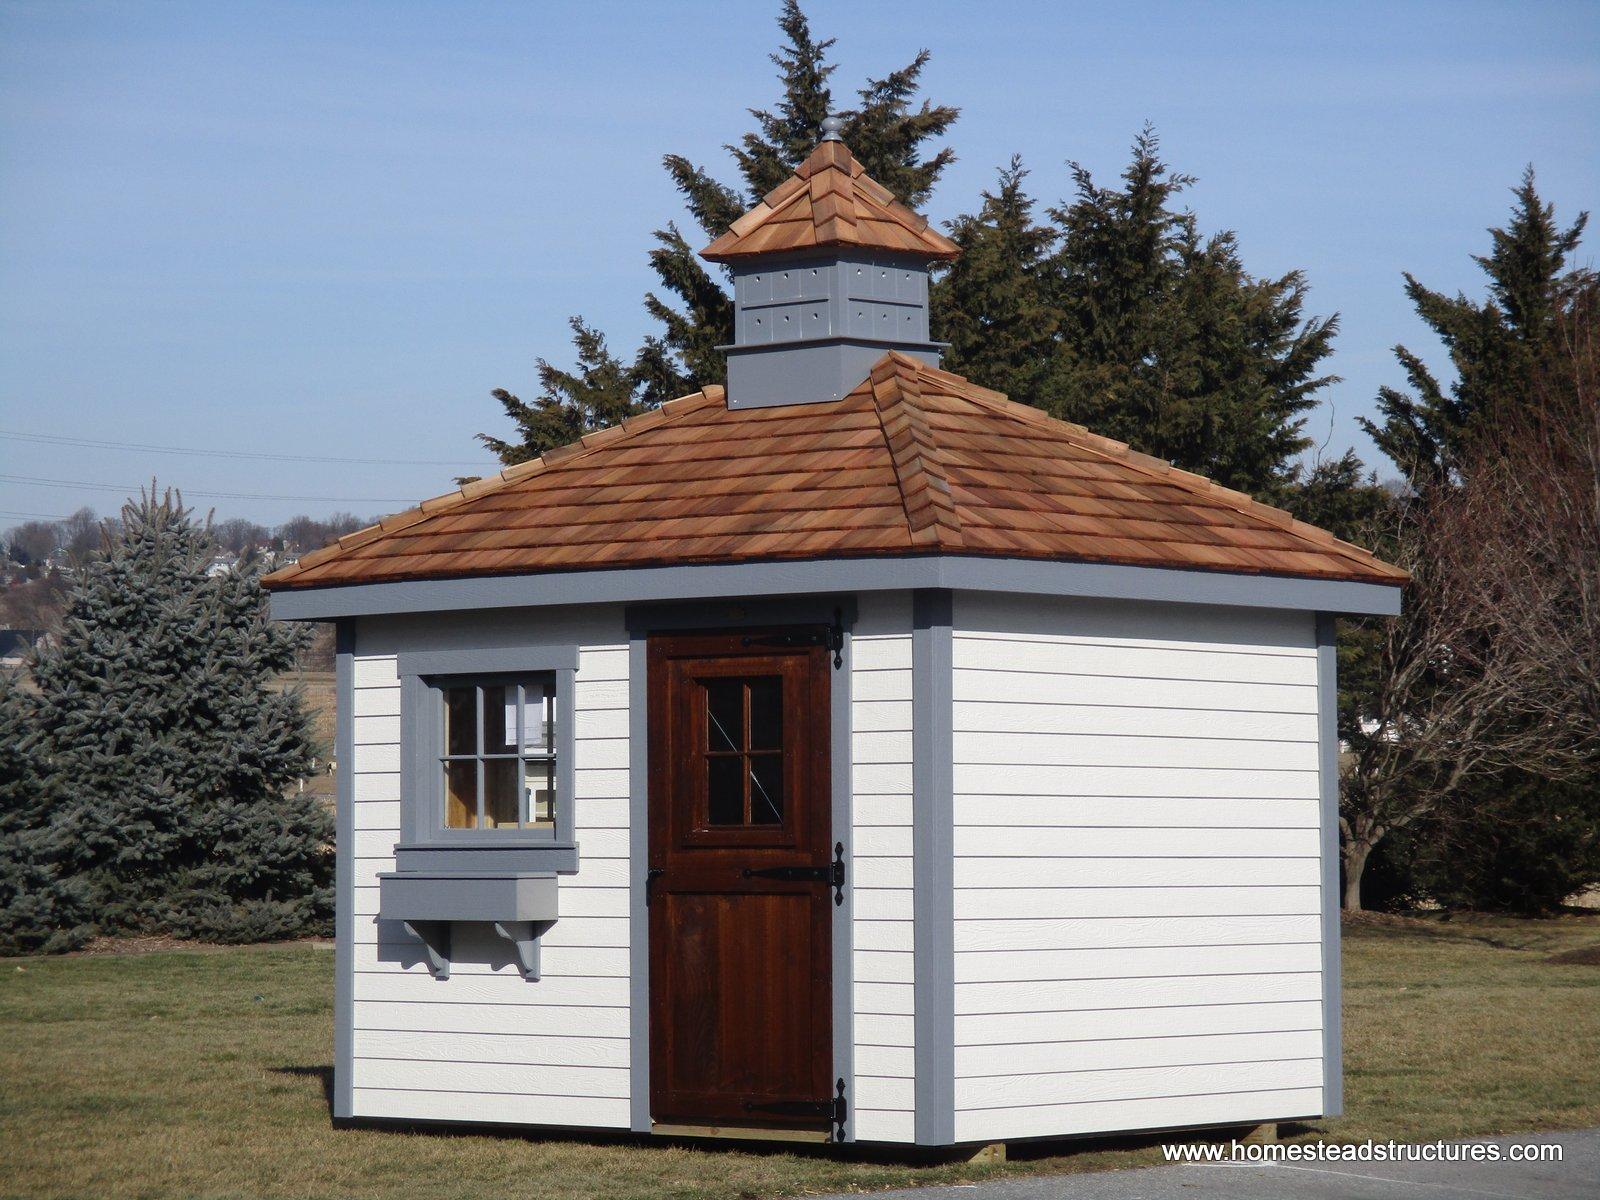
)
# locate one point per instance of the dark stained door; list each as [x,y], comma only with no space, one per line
[740,899]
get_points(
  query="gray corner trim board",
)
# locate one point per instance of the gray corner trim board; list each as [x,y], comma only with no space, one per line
[1332,973]
[638,864]
[841,762]
[344,890]
[933,866]
[809,576]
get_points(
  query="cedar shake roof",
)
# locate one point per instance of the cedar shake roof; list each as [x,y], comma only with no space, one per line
[830,201]
[914,461]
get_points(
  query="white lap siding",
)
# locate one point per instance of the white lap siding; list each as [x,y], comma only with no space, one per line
[1137,907]
[487,1045]
[880,692]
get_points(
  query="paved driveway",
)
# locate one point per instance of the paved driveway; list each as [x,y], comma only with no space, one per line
[1577,1177]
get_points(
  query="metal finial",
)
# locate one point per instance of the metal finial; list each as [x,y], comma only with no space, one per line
[832,128]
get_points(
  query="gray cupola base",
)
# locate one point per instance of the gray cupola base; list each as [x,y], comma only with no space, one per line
[807,329]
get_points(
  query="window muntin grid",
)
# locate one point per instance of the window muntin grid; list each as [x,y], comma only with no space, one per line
[498,760]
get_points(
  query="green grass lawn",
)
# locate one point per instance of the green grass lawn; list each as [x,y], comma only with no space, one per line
[203,1073]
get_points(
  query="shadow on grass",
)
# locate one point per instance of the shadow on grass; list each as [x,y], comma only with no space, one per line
[886,1155]
[325,1074]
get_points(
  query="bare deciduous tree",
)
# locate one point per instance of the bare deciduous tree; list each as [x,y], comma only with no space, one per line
[1495,663]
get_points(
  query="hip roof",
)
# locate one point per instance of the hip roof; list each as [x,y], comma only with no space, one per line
[915,460]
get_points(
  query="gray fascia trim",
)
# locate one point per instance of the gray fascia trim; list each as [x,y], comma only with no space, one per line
[1328,762]
[933,867]
[809,576]
[638,864]
[841,763]
[344,873]
[489,661]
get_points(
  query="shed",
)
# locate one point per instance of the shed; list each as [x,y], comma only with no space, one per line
[847,753]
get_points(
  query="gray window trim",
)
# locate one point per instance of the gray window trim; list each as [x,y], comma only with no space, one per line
[1332,970]
[422,825]
[810,576]
[514,660]
[933,866]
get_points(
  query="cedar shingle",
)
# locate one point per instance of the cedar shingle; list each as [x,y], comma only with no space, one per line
[914,460]
[829,201]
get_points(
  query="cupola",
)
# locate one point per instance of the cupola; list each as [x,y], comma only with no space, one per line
[829,273]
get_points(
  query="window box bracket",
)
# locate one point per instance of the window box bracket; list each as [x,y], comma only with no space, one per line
[524,938]
[435,939]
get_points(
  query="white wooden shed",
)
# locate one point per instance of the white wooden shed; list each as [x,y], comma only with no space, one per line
[845,753]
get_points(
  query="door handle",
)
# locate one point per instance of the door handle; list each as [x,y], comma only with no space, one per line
[650,877]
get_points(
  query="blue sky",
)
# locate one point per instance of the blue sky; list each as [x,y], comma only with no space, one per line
[330,229]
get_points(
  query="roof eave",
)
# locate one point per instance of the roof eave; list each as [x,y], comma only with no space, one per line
[1354,595]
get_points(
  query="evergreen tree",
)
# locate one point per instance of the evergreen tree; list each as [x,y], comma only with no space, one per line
[1342,496]
[1168,343]
[599,393]
[39,911]
[171,757]
[1496,347]
[887,131]
[994,305]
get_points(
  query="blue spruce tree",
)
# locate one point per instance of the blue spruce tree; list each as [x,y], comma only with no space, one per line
[172,762]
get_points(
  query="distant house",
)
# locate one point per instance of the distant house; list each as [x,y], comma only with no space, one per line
[845,753]
[17,644]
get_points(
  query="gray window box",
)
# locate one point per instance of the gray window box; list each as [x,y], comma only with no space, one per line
[520,906]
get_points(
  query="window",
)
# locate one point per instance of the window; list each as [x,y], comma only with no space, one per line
[744,750]
[497,753]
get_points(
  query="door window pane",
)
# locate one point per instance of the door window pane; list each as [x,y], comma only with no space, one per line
[725,790]
[744,750]
[766,789]
[724,714]
[766,713]
[501,795]
[461,795]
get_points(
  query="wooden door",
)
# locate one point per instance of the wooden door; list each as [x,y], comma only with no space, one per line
[740,888]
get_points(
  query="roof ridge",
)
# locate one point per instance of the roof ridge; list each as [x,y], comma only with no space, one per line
[919,469]
[589,442]
[1111,448]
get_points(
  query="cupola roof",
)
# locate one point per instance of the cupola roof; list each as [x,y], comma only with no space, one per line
[830,201]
